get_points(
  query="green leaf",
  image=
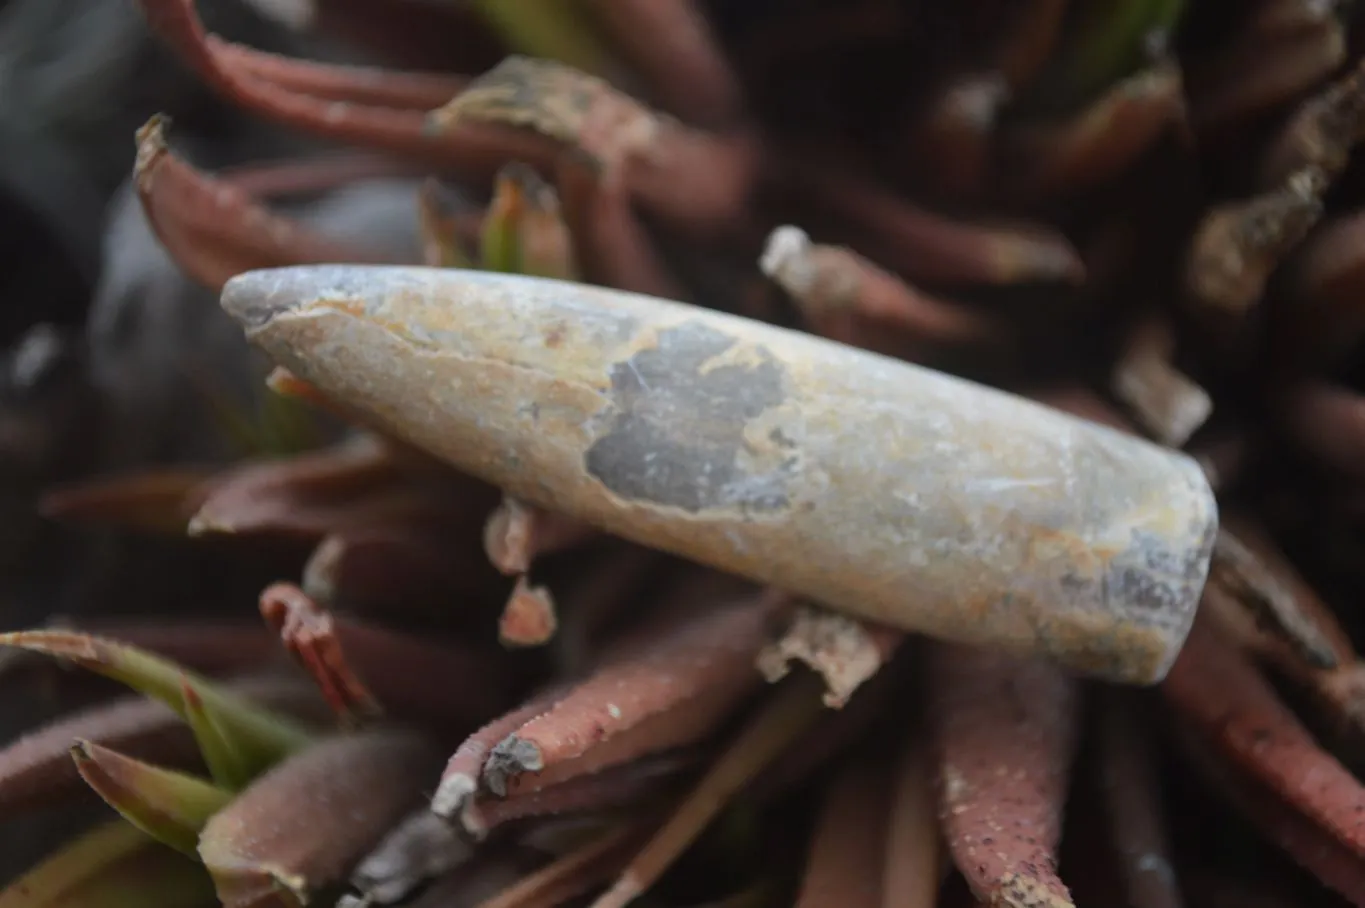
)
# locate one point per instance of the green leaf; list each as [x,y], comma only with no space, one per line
[1110,41]
[112,866]
[1115,39]
[258,737]
[230,758]
[523,230]
[548,28]
[302,827]
[171,807]
[499,243]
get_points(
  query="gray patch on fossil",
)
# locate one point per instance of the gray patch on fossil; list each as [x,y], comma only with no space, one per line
[1157,578]
[677,436]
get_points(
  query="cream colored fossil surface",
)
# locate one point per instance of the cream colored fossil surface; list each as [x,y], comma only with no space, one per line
[876,487]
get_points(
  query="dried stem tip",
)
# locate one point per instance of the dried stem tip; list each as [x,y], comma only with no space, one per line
[760,452]
[1237,246]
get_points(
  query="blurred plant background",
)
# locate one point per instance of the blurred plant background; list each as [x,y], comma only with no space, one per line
[1148,212]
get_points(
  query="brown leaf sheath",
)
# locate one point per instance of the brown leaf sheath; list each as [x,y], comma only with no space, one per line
[411,676]
[1327,422]
[1224,454]
[915,861]
[955,138]
[1276,18]
[1004,736]
[1230,889]
[309,635]
[1262,591]
[849,299]
[517,533]
[618,786]
[1131,791]
[695,180]
[610,244]
[681,727]
[1321,133]
[1253,74]
[848,852]
[1310,608]
[837,732]
[698,181]
[1327,280]
[1100,142]
[473,151]
[573,874]
[1314,848]
[36,769]
[1220,693]
[460,780]
[616,580]
[702,668]
[464,773]
[351,84]
[211,228]
[402,568]
[159,501]
[670,42]
[308,496]
[932,248]
[528,617]
[311,175]
[1237,245]
[411,33]
[264,845]
[476,882]
[212,649]
[1030,40]
[787,711]
[1169,405]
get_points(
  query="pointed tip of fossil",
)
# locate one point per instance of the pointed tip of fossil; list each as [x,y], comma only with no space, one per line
[255,297]
[509,759]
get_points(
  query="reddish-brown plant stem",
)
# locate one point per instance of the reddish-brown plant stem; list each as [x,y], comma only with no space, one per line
[350,84]
[671,43]
[933,248]
[1005,732]
[1219,692]
[213,229]
[846,858]
[609,241]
